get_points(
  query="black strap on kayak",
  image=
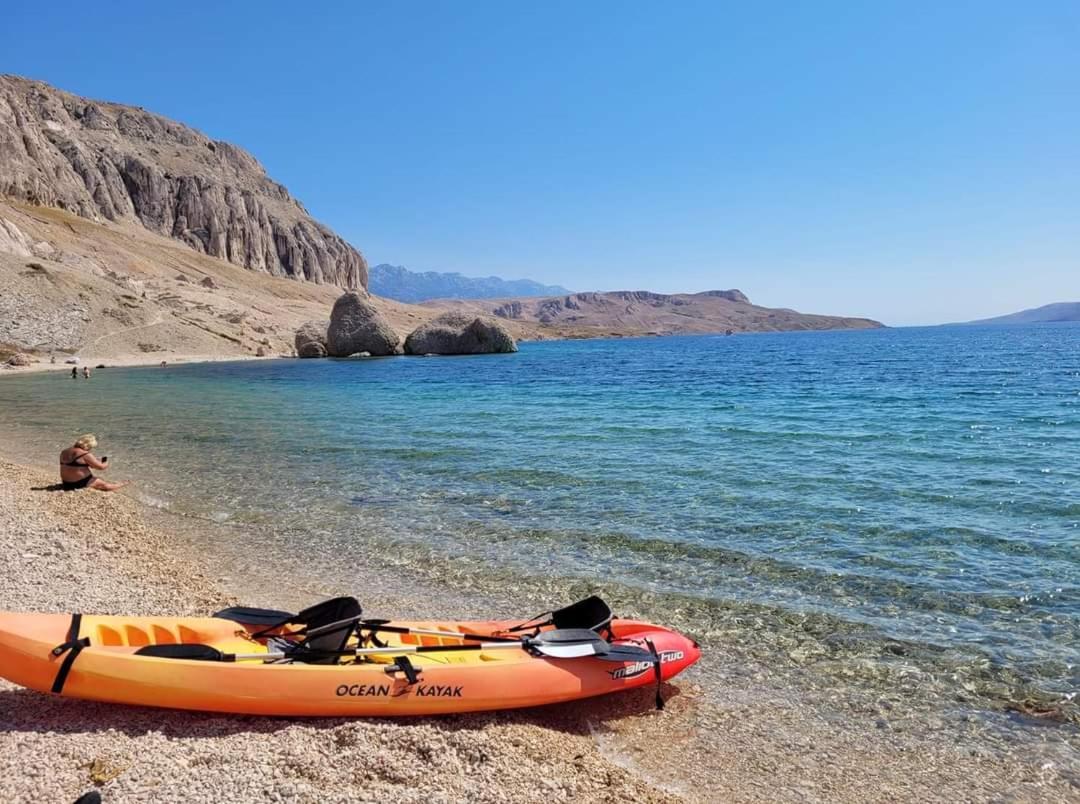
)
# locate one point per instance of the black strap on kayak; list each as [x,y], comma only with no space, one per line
[402,664]
[659,674]
[72,647]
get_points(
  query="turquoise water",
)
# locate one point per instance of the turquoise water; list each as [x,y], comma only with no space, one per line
[909,497]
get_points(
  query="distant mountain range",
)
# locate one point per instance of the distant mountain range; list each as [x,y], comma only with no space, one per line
[398,282]
[1048,313]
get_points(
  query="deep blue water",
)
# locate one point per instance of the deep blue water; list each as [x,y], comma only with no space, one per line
[920,485]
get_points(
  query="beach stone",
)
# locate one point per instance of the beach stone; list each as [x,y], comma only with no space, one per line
[208,282]
[460,334]
[356,326]
[19,360]
[311,339]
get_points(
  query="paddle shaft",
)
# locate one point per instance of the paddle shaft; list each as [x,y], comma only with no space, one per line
[400,629]
[395,649]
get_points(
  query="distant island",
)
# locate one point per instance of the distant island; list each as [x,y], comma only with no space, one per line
[1047,314]
[641,312]
[399,283]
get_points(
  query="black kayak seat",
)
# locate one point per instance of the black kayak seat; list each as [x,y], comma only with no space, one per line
[591,613]
[330,624]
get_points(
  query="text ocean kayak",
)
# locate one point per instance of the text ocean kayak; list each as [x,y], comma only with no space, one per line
[104,658]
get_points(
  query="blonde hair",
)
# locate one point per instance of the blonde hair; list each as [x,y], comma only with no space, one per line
[87,442]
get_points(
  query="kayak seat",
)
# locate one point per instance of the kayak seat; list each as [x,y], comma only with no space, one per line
[327,629]
[592,614]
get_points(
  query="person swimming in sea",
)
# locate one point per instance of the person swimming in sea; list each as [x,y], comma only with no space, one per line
[76,462]
[86,372]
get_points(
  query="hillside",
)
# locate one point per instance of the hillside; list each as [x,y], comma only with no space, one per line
[1048,313]
[398,282]
[116,292]
[638,312]
[109,162]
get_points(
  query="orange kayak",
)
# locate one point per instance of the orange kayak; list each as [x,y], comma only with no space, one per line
[97,658]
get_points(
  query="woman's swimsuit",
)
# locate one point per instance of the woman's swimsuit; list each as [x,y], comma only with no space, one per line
[82,482]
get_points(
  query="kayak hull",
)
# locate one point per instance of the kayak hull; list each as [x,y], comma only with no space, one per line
[454,681]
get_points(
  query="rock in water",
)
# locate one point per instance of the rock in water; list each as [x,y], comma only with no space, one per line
[122,163]
[459,334]
[356,326]
[311,339]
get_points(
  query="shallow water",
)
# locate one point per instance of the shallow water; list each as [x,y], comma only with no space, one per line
[893,500]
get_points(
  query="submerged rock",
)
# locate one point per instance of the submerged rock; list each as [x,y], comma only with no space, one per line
[460,334]
[357,326]
[311,339]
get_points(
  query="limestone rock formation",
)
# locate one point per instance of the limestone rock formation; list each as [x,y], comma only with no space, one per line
[121,163]
[356,326]
[311,339]
[459,334]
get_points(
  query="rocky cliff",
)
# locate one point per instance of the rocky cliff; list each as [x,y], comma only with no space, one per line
[105,161]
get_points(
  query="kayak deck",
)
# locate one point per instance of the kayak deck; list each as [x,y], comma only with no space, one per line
[109,669]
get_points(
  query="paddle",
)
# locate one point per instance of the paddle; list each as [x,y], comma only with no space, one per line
[570,643]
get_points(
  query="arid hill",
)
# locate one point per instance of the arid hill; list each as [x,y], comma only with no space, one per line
[116,292]
[640,312]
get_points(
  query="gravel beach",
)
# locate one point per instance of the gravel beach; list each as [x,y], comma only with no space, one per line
[747,740]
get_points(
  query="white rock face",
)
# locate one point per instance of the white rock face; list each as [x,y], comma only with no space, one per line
[107,161]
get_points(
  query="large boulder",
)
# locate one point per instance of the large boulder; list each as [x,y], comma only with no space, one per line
[460,334]
[356,326]
[311,339]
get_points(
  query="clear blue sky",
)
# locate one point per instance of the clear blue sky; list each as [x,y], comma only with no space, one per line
[913,162]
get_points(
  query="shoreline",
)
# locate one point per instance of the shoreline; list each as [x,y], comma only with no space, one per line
[744,740]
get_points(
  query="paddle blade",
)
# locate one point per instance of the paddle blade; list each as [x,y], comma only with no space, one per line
[567,643]
[625,653]
[191,652]
[245,615]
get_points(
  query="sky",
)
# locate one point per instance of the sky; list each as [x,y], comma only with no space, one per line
[912,162]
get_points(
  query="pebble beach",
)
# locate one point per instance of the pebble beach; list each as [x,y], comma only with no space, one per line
[748,741]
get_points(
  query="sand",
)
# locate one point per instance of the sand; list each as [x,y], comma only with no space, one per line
[746,738]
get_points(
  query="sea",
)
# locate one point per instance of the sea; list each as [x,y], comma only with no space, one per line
[891,507]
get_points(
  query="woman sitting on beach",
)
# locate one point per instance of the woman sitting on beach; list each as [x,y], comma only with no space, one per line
[76,463]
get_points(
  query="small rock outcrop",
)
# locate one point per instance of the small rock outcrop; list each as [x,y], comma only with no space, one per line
[356,326]
[459,334]
[19,360]
[311,339]
[122,163]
